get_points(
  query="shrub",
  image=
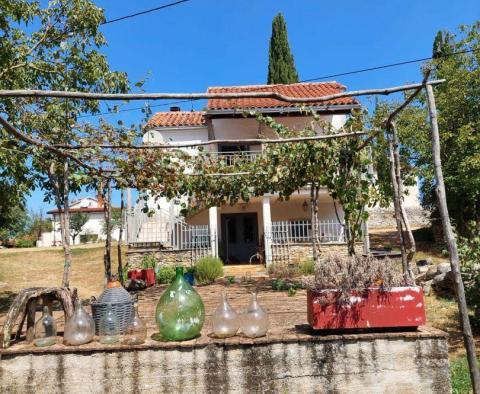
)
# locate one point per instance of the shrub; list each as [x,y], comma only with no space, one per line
[165,274]
[345,274]
[283,270]
[307,268]
[208,269]
[469,253]
[88,238]
[149,261]
[25,243]
[424,234]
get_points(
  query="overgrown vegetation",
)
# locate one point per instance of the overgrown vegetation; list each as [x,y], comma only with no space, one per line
[460,376]
[469,253]
[207,269]
[149,261]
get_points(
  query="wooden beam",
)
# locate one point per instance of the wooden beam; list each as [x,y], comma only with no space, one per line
[452,244]
[213,142]
[202,96]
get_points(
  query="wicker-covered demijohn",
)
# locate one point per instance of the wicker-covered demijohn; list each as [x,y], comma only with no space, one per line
[122,306]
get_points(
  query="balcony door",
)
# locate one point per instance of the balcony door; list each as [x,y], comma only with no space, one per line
[239,237]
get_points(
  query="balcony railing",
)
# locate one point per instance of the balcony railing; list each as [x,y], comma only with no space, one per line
[300,231]
[232,158]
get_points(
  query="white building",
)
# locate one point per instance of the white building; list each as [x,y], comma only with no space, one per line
[265,224]
[92,231]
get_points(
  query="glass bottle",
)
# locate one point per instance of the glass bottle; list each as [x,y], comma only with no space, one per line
[180,313]
[136,332]
[254,322]
[80,328]
[225,322]
[45,330]
[109,327]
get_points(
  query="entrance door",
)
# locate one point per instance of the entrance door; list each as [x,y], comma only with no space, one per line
[239,237]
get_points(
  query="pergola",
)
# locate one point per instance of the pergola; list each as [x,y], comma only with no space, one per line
[65,151]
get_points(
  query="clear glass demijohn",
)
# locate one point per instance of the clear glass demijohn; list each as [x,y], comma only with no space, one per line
[254,322]
[225,321]
[136,332]
[80,327]
[45,330]
[109,327]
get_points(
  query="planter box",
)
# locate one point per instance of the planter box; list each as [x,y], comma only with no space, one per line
[135,274]
[372,308]
[148,275]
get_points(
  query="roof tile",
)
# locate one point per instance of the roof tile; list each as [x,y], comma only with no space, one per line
[177,118]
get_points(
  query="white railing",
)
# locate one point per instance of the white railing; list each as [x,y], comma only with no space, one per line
[299,231]
[232,158]
[161,229]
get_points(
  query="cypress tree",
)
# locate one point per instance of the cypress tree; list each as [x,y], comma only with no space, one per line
[281,66]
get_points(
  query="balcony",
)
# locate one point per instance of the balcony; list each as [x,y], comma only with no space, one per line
[231,158]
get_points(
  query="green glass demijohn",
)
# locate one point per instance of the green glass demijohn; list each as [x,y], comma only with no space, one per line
[180,312]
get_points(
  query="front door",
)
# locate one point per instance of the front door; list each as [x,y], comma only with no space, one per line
[239,237]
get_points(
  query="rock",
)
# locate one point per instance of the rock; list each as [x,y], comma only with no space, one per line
[443,282]
[427,287]
[423,268]
[431,272]
[439,278]
[443,268]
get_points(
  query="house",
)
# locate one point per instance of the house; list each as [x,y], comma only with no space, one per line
[265,226]
[92,230]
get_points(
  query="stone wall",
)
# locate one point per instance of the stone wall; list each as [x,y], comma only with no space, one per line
[302,252]
[164,257]
[395,363]
[384,217]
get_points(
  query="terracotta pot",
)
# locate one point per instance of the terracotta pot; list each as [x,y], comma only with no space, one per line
[371,308]
[148,275]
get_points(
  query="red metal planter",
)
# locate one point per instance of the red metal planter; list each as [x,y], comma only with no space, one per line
[135,274]
[372,308]
[148,275]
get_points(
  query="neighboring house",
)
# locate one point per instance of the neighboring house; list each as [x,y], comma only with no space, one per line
[92,231]
[278,230]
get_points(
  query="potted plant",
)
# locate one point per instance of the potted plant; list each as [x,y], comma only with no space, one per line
[149,262]
[362,292]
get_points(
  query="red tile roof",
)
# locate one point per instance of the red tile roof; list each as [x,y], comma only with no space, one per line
[177,118]
[73,210]
[314,89]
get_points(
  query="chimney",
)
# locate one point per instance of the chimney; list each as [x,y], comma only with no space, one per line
[175,109]
[100,200]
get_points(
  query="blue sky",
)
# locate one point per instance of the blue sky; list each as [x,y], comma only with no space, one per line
[204,43]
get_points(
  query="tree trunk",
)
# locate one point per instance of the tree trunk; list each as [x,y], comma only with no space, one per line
[120,235]
[107,214]
[63,212]
[405,224]
[396,206]
[452,244]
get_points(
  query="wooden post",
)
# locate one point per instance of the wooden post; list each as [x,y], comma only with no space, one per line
[452,244]
[107,214]
[120,236]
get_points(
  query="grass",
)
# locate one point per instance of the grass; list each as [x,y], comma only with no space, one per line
[44,267]
[460,376]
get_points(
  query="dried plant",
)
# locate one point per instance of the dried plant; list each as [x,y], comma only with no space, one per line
[346,274]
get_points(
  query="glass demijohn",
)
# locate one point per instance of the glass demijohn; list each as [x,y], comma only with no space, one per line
[180,313]
[45,330]
[254,322]
[225,321]
[80,328]
[136,331]
[109,327]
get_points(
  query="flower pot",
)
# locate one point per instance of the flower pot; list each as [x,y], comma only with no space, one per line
[148,275]
[135,274]
[371,308]
[189,277]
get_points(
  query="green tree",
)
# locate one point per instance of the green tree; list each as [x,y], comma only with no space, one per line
[77,221]
[115,221]
[54,46]
[281,66]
